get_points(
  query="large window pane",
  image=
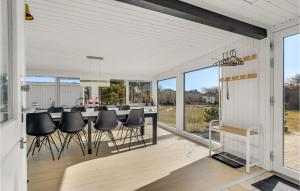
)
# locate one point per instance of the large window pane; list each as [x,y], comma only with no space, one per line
[291,102]
[113,95]
[139,92]
[70,92]
[167,101]
[201,100]
[42,92]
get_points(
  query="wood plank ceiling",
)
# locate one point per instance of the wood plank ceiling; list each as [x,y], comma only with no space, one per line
[132,40]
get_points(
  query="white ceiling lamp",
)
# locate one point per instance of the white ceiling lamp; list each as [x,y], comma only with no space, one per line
[99,81]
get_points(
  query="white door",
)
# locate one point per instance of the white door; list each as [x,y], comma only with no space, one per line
[13,158]
[286,102]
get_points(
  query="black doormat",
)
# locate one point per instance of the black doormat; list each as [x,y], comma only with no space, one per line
[225,158]
[270,183]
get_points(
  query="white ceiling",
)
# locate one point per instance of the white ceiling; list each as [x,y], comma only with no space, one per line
[263,13]
[132,40]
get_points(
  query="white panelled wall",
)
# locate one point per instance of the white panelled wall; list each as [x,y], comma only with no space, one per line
[248,103]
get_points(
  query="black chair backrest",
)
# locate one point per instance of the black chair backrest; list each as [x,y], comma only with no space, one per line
[100,108]
[71,122]
[55,109]
[135,118]
[80,108]
[106,120]
[124,107]
[39,124]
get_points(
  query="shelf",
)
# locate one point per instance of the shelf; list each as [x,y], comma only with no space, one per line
[233,130]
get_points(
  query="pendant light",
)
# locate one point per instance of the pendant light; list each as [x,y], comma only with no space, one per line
[28,15]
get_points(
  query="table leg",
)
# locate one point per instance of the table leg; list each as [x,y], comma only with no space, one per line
[89,143]
[154,129]
[143,130]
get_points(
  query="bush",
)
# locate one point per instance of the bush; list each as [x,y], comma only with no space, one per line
[211,114]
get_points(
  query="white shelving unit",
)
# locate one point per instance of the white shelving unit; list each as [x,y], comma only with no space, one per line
[243,133]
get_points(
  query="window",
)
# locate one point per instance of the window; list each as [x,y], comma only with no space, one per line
[115,94]
[45,92]
[70,92]
[201,100]
[5,63]
[139,92]
[42,92]
[166,97]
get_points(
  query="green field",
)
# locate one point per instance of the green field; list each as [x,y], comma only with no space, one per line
[194,117]
[293,121]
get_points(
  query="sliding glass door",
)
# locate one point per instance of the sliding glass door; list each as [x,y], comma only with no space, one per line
[286,108]
[201,100]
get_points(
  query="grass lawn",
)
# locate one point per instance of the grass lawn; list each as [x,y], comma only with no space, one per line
[293,121]
[194,120]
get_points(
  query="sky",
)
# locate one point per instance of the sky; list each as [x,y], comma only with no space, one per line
[291,56]
[197,79]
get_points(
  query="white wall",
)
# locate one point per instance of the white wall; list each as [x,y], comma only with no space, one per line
[46,93]
[249,99]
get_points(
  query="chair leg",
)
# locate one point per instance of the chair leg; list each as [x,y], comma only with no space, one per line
[47,137]
[59,138]
[99,140]
[126,135]
[54,143]
[33,142]
[79,139]
[122,131]
[97,137]
[82,141]
[42,143]
[64,144]
[37,142]
[85,135]
[71,136]
[121,126]
[142,137]
[130,138]
[136,135]
[113,140]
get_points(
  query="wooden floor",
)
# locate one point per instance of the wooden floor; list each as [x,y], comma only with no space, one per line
[173,164]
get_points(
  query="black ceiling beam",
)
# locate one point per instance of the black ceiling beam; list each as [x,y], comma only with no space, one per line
[197,14]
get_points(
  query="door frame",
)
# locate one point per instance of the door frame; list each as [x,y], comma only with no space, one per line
[13,170]
[277,164]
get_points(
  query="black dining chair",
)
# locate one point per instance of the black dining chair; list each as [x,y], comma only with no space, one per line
[100,108]
[56,110]
[121,129]
[135,121]
[105,123]
[78,108]
[71,124]
[41,126]
[81,109]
